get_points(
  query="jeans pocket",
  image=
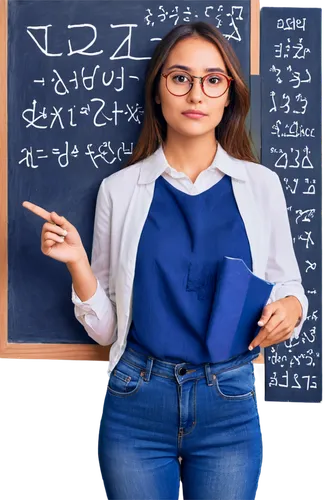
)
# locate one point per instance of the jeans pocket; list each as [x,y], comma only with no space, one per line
[237,383]
[125,379]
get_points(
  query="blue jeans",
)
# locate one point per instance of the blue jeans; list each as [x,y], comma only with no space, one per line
[163,423]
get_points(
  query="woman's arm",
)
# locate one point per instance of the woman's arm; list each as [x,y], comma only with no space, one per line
[84,280]
[286,310]
[93,306]
[282,267]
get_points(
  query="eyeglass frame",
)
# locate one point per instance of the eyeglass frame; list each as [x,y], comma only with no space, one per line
[201,78]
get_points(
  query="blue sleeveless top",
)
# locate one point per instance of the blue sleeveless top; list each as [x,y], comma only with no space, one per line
[182,242]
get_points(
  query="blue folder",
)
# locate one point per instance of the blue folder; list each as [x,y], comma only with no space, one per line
[239,299]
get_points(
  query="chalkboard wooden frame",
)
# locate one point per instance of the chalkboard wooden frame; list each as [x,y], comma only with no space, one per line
[58,351]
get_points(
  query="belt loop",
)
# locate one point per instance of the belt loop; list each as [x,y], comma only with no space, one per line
[147,372]
[208,374]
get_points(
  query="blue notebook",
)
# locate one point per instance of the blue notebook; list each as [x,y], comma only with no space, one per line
[239,299]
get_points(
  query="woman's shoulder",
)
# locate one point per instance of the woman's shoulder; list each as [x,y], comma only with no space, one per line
[254,173]
[261,177]
[264,182]
[258,171]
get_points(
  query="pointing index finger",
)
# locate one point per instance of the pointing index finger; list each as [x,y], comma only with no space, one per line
[38,211]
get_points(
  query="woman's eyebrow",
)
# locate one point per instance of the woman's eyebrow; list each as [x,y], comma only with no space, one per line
[206,70]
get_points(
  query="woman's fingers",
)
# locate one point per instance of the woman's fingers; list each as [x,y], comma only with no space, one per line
[37,210]
[47,226]
[59,220]
[51,217]
[54,237]
[55,230]
[49,243]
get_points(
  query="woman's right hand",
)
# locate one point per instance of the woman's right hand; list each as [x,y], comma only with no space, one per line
[59,239]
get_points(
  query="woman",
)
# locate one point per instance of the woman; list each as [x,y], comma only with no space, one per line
[192,193]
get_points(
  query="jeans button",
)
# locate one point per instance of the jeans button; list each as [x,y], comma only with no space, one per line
[182,371]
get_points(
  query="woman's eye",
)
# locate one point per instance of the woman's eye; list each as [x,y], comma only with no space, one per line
[180,78]
[214,80]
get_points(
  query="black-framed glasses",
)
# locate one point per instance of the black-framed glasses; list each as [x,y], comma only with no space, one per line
[179,83]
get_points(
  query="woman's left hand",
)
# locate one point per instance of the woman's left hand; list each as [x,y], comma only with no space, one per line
[278,321]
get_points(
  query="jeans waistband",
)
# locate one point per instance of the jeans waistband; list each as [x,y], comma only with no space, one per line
[184,371]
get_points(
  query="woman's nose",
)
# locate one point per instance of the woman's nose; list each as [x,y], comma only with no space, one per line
[196,93]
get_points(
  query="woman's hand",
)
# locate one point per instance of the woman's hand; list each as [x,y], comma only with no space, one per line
[278,321]
[59,239]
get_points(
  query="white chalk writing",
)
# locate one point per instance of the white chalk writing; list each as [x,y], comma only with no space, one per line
[290,147]
[97,154]
[227,17]
[101,113]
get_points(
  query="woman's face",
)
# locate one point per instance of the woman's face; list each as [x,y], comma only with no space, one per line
[199,55]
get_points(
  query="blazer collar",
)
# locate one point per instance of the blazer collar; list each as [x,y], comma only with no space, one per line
[154,165]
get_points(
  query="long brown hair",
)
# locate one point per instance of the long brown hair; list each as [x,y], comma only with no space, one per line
[231,132]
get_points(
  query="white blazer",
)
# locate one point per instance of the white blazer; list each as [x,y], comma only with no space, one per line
[122,206]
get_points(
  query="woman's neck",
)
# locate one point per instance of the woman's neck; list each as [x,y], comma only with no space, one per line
[190,155]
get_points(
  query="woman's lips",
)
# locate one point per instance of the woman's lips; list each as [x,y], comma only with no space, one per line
[193,115]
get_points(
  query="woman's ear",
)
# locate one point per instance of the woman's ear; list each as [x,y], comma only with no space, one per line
[157,99]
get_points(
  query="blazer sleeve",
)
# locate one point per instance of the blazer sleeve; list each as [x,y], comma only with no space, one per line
[282,267]
[98,313]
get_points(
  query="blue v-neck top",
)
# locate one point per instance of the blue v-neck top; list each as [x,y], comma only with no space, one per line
[182,242]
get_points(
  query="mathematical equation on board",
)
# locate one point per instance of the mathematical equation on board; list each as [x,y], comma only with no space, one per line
[103,154]
[42,118]
[115,79]
[86,83]
[230,17]
[290,147]
[300,216]
[285,367]
[225,16]
[290,103]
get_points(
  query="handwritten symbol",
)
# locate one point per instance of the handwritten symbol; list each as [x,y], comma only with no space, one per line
[312,266]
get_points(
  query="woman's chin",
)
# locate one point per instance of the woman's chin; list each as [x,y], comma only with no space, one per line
[192,131]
